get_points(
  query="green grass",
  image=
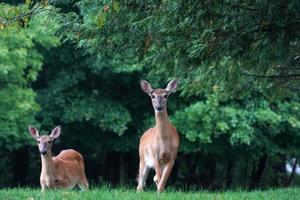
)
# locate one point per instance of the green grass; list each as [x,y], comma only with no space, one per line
[126,194]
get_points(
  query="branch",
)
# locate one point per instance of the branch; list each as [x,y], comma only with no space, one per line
[237,6]
[37,9]
[287,68]
[280,5]
[272,76]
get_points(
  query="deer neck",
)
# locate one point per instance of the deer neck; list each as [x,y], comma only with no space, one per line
[47,165]
[162,125]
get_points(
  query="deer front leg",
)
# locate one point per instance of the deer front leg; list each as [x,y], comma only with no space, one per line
[43,185]
[157,176]
[143,173]
[164,177]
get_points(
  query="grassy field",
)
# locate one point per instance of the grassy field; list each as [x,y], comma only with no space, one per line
[124,194]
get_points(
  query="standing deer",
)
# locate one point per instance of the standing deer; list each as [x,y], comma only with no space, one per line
[62,171]
[158,145]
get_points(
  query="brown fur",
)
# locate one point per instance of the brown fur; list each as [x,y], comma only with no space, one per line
[158,145]
[62,171]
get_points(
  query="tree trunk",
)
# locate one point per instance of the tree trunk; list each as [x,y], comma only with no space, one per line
[257,174]
[123,175]
[228,177]
[280,171]
[209,177]
[20,166]
[290,179]
[245,176]
[192,169]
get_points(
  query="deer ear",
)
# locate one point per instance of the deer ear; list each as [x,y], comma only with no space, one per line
[55,132]
[146,87]
[33,132]
[172,85]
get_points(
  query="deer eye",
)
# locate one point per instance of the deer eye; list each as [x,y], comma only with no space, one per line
[38,142]
[152,96]
[49,142]
[165,96]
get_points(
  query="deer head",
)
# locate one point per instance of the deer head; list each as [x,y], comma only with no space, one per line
[159,96]
[45,141]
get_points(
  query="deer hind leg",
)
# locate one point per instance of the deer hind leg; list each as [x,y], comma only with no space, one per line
[64,184]
[143,174]
[83,183]
[164,177]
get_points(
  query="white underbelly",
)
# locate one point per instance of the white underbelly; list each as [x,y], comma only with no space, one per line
[149,161]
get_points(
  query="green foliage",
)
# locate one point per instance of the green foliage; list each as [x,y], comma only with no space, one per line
[249,122]
[19,66]
[105,114]
[205,44]
[65,99]
[209,47]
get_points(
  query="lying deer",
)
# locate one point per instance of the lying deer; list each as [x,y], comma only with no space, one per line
[158,145]
[62,171]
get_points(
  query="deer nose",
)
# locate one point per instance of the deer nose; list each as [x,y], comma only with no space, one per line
[43,152]
[158,108]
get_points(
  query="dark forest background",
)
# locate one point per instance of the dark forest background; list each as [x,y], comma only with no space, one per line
[78,64]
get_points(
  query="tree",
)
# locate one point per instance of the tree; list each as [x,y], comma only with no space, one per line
[20,64]
[251,127]
[208,45]
[212,47]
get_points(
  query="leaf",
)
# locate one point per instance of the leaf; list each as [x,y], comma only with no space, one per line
[100,21]
[116,6]
[28,2]
[1,26]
